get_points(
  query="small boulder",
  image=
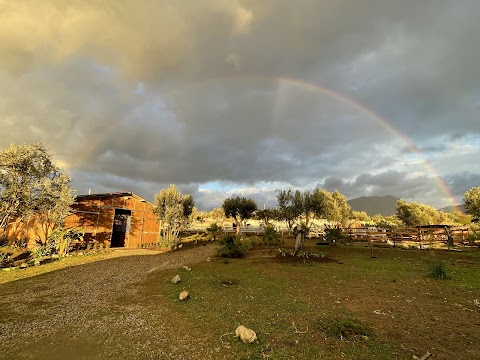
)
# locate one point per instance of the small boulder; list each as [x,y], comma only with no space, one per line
[176,279]
[186,268]
[184,295]
[245,334]
[24,266]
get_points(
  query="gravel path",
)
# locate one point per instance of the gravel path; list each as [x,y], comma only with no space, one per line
[41,317]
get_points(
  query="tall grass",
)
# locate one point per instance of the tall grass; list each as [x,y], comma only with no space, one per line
[437,268]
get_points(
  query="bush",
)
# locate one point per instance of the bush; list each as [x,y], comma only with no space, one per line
[344,328]
[473,238]
[334,235]
[231,246]
[437,268]
[59,242]
[270,236]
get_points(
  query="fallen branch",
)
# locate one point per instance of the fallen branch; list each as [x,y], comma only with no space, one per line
[230,333]
[297,331]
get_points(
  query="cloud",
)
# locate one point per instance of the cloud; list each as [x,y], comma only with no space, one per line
[372,97]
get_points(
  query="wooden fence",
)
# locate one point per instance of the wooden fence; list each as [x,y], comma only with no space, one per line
[427,235]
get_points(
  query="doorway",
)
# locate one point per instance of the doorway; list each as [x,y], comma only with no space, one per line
[121,225]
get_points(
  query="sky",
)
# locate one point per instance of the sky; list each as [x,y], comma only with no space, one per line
[230,97]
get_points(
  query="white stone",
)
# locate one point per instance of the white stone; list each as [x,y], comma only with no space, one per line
[176,279]
[186,268]
[184,295]
[245,334]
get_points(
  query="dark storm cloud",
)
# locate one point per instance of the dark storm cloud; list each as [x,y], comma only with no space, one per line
[138,95]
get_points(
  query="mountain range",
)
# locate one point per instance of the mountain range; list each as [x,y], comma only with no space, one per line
[385,205]
[372,205]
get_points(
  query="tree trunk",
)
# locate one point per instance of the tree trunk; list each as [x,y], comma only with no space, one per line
[237,229]
[299,233]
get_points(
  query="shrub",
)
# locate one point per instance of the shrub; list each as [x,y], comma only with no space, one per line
[270,236]
[437,268]
[473,238]
[344,328]
[334,235]
[231,246]
[42,250]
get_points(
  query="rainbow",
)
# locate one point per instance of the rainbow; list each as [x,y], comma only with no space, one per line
[341,98]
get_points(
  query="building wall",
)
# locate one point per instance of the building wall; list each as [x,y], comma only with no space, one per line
[96,215]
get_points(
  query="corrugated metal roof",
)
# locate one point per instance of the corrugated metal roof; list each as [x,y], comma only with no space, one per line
[112,194]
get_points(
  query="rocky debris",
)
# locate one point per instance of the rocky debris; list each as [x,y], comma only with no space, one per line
[23,266]
[247,335]
[184,295]
[186,268]
[176,279]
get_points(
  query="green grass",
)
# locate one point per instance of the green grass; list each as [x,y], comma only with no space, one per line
[437,268]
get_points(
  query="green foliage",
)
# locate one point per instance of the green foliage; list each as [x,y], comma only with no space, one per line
[270,236]
[343,328]
[59,242]
[437,268]
[268,215]
[413,214]
[297,206]
[214,230]
[239,208]
[42,250]
[387,222]
[173,210]
[473,238]
[231,247]
[471,200]
[334,235]
[29,181]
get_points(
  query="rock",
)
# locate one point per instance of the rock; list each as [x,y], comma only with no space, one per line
[37,262]
[184,295]
[208,259]
[55,256]
[186,268]
[23,266]
[247,335]
[176,279]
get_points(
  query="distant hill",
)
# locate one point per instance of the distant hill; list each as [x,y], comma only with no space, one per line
[372,205]
[451,209]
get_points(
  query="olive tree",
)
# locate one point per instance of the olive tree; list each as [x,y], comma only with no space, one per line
[471,200]
[240,209]
[413,214]
[297,208]
[173,210]
[30,183]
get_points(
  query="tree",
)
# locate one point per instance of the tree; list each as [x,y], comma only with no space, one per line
[31,183]
[471,199]
[267,215]
[290,207]
[297,208]
[413,214]
[240,209]
[173,210]
[55,198]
